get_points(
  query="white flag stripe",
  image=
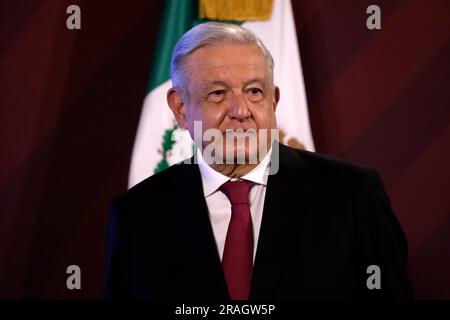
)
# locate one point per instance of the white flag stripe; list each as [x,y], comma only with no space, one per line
[279,36]
[156,117]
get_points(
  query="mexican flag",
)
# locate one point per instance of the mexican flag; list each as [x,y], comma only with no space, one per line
[159,143]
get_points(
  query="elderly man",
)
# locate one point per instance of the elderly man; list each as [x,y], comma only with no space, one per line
[288,225]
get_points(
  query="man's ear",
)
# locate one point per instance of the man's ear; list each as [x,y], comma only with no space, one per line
[276,97]
[176,104]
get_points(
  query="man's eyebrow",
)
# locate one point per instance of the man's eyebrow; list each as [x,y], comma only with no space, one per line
[214,83]
[257,79]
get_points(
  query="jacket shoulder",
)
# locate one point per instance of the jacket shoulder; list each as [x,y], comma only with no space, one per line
[322,164]
[157,185]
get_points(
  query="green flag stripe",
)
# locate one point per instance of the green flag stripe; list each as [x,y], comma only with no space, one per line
[178,17]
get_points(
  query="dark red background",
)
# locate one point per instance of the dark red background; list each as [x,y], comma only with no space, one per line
[70,103]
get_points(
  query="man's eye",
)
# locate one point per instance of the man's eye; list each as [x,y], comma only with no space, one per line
[255,94]
[254,91]
[216,96]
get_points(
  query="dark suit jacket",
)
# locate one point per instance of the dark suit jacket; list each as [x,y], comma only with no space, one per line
[324,222]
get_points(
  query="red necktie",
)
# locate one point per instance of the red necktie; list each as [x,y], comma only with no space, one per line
[237,260]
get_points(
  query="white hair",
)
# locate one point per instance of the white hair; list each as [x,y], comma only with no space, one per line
[209,34]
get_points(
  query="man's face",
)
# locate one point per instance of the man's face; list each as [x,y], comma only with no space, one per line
[229,87]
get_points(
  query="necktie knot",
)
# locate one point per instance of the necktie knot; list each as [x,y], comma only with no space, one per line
[237,191]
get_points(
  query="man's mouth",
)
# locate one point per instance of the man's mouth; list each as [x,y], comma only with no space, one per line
[239,132]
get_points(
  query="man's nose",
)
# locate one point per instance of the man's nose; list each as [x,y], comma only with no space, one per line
[238,108]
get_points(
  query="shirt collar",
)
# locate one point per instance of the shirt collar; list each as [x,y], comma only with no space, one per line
[212,179]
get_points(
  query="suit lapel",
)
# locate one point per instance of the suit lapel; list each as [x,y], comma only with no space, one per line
[198,237]
[282,214]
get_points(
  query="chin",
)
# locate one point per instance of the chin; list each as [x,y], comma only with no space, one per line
[242,155]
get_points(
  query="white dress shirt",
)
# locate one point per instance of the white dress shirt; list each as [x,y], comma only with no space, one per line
[219,206]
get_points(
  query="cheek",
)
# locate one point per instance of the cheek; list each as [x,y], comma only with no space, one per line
[214,115]
[211,116]
[264,118]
